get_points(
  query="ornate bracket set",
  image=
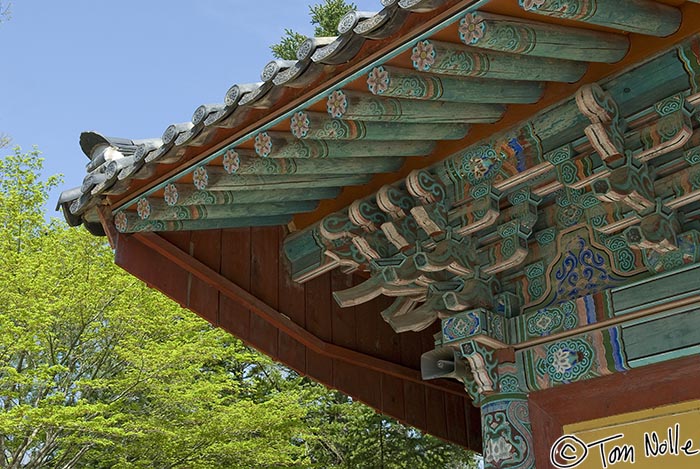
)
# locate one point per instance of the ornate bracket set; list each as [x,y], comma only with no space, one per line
[517,241]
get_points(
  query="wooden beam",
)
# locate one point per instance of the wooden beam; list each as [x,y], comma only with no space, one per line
[403,83]
[355,105]
[187,194]
[285,145]
[521,36]
[636,16]
[161,211]
[140,226]
[246,162]
[287,181]
[446,58]
[319,126]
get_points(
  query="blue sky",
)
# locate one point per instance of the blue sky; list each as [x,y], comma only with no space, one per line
[128,68]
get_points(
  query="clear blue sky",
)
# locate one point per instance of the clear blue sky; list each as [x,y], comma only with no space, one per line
[128,68]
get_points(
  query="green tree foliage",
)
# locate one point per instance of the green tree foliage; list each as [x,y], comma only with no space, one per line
[351,435]
[98,371]
[325,18]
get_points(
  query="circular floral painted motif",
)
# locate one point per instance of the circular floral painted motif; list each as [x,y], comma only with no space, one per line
[471,28]
[170,194]
[120,222]
[143,208]
[530,4]
[567,361]
[231,161]
[300,124]
[337,104]
[263,144]
[378,80]
[200,178]
[423,56]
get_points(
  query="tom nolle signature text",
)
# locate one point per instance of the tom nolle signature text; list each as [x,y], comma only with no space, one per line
[570,451]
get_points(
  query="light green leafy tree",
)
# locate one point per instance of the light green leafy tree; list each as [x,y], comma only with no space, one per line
[351,435]
[325,18]
[99,371]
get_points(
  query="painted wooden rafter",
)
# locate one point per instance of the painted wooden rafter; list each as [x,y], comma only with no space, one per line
[452,84]
[483,214]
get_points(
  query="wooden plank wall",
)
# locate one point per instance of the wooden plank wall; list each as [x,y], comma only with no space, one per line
[251,258]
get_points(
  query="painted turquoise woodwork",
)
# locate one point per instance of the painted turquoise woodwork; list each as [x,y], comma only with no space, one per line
[305,253]
[446,58]
[372,288]
[478,324]
[246,162]
[408,84]
[674,285]
[653,81]
[558,208]
[183,194]
[195,225]
[145,211]
[355,105]
[638,16]
[316,125]
[507,433]
[690,56]
[664,337]
[225,181]
[566,316]
[586,356]
[395,201]
[519,36]
[285,145]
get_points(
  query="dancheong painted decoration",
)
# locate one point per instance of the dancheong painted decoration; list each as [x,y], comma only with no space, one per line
[479,217]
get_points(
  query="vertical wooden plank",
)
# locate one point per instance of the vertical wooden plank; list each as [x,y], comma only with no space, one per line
[414,395]
[291,352]
[264,275]
[374,336]
[411,345]
[292,302]
[389,340]
[342,319]
[181,239]
[473,424]
[235,266]
[318,306]
[153,269]
[292,295]
[393,402]
[456,419]
[367,332]
[320,368]
[435,413]
[318,322]
[264,264]
[205,246]
[358,382]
